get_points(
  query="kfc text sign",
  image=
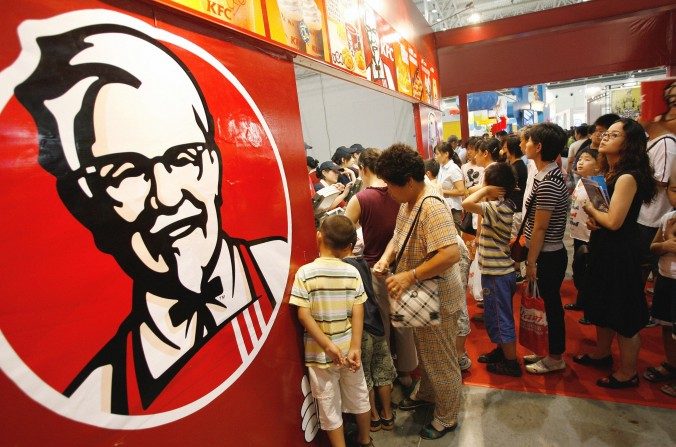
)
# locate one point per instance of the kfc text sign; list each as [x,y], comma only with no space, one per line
[142,282]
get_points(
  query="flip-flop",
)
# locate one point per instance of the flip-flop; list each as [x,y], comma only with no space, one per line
[376,425]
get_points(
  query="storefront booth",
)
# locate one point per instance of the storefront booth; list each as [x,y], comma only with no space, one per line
[156,207]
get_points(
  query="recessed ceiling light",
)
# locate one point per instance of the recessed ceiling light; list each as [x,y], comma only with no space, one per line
[434,11]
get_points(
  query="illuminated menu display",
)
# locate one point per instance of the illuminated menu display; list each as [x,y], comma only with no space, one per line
[347,34]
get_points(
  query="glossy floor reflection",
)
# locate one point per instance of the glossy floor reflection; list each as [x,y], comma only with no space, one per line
[491,417]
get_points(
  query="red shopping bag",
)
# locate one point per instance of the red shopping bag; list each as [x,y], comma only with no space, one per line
[533,333]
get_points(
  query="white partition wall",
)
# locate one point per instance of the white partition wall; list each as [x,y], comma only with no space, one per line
[336,113]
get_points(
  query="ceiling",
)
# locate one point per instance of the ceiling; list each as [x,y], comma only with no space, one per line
[447,14]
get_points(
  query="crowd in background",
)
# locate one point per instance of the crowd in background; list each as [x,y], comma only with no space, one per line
[396,220]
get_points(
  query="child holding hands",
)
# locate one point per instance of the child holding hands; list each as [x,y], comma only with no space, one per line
[329,295]
[498,278]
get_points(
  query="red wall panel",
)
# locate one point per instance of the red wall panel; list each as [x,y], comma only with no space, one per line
[63,298]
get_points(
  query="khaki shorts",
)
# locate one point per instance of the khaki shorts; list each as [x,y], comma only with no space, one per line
[338,390]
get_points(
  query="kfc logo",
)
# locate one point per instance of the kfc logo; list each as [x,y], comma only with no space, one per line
[127,134]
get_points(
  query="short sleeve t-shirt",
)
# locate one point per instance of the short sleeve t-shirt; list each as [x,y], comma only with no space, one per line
[472,173]
[496,229]
[448,175]
[667,262]
[551,194]
[661,152]
[329,287]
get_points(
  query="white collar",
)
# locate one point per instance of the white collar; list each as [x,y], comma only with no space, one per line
[546,170]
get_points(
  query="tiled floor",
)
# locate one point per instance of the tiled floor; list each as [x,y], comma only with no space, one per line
[492,417]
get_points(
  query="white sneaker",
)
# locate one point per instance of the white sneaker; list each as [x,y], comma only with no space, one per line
[531,358]
[546,365]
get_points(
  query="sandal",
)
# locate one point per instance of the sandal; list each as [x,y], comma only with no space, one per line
[587,360]
[376,425]
[653,374]
[429,432]
[387,424]
[613,383]
[669,390]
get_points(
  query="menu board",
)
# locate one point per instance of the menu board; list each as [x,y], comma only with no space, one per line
[402,65]
[245,14]
[378,35]
[345,36]
[348,34]
[299,24]
[416,75]
[434,80]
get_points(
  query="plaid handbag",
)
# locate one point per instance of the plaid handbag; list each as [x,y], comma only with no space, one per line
[419,305]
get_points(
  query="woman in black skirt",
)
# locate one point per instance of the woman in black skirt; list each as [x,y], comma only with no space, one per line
[616,298]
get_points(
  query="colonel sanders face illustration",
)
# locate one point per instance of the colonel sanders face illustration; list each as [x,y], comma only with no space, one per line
[131,144]
[124,128]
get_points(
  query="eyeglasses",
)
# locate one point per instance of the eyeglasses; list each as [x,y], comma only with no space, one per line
[111,170]
[610,135]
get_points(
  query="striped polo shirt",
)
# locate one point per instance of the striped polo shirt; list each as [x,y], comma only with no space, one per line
[493,245]
[550,193]
[329,287]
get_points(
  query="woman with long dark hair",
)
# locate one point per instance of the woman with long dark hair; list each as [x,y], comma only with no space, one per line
[617,302]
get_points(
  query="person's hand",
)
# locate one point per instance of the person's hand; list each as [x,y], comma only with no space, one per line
[592,224]
[381,268]
[589,208]
[397,284]
[335,354]
[493,191]
[346,190]
[353,359]
[339,186]
[532,272]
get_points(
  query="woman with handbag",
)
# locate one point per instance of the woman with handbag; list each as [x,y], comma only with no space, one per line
[545,226]
[616,302]
[425,247]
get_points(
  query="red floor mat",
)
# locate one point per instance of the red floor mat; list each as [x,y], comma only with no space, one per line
[577,380]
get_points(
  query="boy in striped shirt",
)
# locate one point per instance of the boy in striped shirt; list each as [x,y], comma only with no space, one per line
[329,295]
[498,278]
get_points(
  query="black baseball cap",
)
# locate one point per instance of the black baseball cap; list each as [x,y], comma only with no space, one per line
[329,165]
[357,148]
[342,152]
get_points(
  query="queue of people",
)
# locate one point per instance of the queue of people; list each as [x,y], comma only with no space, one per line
[411,213]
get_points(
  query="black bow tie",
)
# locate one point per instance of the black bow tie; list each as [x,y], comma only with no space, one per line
[196,303]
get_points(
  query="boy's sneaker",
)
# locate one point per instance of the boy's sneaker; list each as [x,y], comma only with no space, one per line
[505,368]
[465,362]
[496,355]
